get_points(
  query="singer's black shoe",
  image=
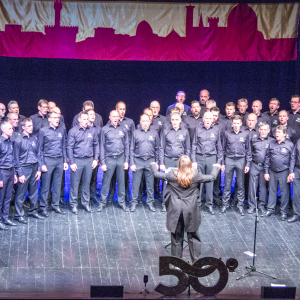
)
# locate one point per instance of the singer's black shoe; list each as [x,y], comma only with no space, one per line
[43,213]
[283,216]
[58,211]
[294,218]
[269,213]
[223,210]
[133,208]
[74,211]
[124,207]
[35,215]
[151,207]
[21,220]
[2,227]
[9,222]
[164,209]
[210,210]
[87,208]
[241,211]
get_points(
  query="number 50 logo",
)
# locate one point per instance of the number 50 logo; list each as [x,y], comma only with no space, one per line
[188,274]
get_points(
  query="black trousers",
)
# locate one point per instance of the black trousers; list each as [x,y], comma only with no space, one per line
[205,164]
[177,241]
[55,167]
[231,165]
[114,163]
[217,190]
[281,179]
[93,185]
[83,173]
[6,193]
[113,181]
[142,166]
[30,184]
[62,188]
[257,181]
[296,192]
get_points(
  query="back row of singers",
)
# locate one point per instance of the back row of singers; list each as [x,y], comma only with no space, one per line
[30,155]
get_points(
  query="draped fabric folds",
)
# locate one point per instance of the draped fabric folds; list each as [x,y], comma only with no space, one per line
[149,31]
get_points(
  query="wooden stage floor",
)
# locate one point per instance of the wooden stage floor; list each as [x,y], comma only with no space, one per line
[62,256]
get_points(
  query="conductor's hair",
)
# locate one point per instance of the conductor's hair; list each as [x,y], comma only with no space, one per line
[185,173]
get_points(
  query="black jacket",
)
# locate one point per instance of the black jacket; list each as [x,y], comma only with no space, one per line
[185,200]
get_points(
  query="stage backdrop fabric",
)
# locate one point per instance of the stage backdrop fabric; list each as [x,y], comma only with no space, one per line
[149,31]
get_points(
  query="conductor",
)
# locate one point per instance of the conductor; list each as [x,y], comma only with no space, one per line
[183,213]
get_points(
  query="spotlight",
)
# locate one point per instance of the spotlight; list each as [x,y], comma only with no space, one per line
[231,264]
[145,288]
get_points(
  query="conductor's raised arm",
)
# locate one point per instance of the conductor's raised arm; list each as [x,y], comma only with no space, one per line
[156,173]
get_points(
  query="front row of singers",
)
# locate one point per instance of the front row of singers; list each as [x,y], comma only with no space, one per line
[25,158]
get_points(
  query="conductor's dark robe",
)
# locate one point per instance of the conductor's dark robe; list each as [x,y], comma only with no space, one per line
[183,212]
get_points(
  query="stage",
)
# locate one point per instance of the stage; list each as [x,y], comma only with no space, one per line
[62,256]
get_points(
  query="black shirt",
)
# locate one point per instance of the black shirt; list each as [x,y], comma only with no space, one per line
[296,156]
[145,145]
[279,156]
[26,152]
[273,120]
[6,154]
[174,143]
[128,125]
[294,121]
[203,108]
[192,123]
[98,120]
[237,145]
[159,120]
[113,141]
[261,118]
[207,142]
[244,116]
[38,122]
[53,142]
[225,123]
[154,127]
[259,148]
[82,143]
[252,133]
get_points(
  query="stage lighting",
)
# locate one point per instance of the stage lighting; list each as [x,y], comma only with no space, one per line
[145,288]
[231,264]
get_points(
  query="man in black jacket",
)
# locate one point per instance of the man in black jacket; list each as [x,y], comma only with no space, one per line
[27,158]
[7,174]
